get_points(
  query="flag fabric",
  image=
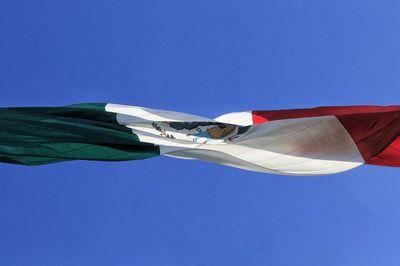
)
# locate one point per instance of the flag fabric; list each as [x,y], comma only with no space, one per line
[313,141]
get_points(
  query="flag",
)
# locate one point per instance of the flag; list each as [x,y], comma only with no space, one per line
[313,141]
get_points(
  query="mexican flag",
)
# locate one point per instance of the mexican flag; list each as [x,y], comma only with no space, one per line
[313,141]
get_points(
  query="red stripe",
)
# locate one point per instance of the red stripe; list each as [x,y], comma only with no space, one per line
[389,156]
[374,129]
[257,119]
[373,132]
[263,116]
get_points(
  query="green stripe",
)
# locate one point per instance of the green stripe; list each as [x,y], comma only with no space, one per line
[42,135]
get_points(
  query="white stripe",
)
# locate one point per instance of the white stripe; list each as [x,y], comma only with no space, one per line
[239,118]
[302,146]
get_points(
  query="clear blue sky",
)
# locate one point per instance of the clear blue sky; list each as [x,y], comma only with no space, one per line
[206,58]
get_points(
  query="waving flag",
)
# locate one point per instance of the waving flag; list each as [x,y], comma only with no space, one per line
[313,141]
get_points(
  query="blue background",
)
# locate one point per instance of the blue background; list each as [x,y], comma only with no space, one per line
[204,57]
